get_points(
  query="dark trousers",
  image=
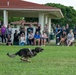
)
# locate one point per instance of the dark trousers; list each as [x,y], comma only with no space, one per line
[31,41]
[57,40]
[3,38]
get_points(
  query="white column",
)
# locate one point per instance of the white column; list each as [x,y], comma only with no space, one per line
[49,24]
[41,21]
[5,16]
[46,19]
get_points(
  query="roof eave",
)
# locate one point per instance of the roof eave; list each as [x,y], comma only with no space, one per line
[29,9]
[41,10]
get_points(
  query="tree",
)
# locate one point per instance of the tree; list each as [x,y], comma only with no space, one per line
[11,19]
[31,19]
[68,12]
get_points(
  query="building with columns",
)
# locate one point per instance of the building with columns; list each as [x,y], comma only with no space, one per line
[20,8]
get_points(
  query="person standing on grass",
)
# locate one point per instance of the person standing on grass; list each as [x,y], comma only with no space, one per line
[8,31]
[30,28]
[46,28]
[74,31]
[31,38]
[67,28]
[58,34]
[3,33]
[16,38]
[22,28]
[0,34]
[38,28]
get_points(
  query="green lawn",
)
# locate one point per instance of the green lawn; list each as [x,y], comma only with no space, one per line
[54,60]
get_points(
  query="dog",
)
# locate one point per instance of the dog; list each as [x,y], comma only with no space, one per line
[26,53]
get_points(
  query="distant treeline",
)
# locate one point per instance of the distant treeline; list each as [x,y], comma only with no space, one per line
[69,15]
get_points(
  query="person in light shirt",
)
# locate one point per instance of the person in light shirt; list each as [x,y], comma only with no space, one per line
[22,40]
[43,38]
[31,38]
[70,38]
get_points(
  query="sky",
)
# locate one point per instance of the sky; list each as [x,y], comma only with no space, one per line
[63,2]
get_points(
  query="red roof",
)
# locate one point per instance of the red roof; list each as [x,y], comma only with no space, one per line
[23,21]
[22,4]
[18,22]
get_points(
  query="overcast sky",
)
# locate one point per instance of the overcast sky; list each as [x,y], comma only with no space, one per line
[64,2]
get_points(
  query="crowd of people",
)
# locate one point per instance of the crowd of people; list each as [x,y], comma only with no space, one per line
[64,35]
[5,34]
[24,36]
[32,38]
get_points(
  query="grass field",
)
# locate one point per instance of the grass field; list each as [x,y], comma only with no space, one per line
[54,60]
